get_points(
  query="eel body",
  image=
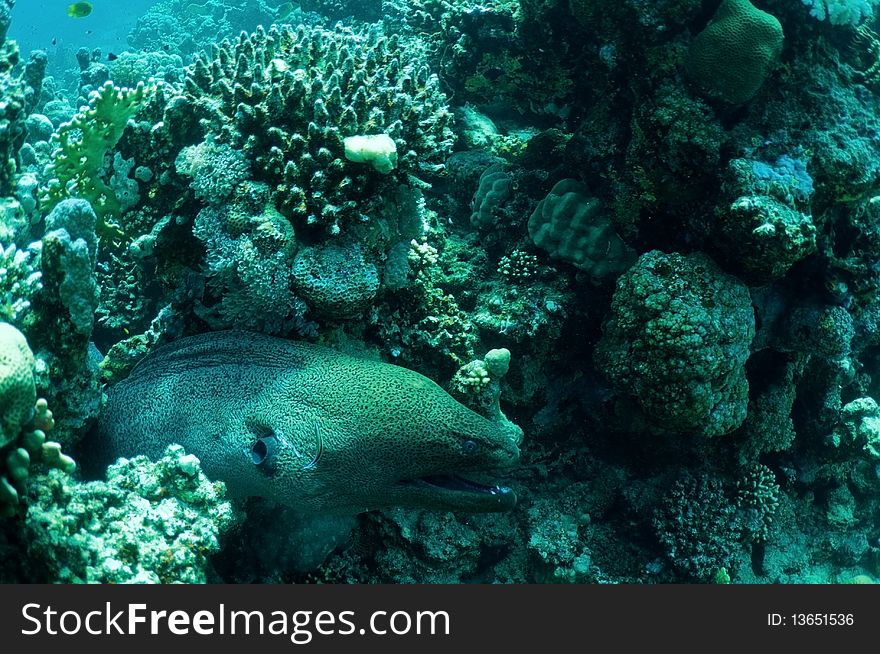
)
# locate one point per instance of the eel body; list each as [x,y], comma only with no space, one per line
[308,427]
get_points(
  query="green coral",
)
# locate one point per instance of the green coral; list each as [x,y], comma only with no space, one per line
[148,523]
[541,85]
[336,282]
[859,427]
[477,384]
[570,224]
[439,322]
[677,341]
[182,27]
[215,168]
[13,114]
[766,228]
[81,147]
[519,266]
[672,156]
[19,280]
[289,97]
[17,390]
[24,420]
[765,237]
[697,526]
[732,56]
[249,258]
[70,251]
[757,496]
[492,192]
[129,68]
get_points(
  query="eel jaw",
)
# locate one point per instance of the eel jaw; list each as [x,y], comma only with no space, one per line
[453,493]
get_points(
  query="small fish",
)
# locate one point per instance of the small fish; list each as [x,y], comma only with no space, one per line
[54,41]
[284,11]
[492,74]
[166,47]
[79,9]
[195,10]
[111,57]
[275,66]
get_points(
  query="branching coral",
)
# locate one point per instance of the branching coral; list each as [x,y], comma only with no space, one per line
[81,146]
[697,525]
[842,12]
[289,97]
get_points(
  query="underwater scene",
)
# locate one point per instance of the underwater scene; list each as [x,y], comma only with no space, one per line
[439,291]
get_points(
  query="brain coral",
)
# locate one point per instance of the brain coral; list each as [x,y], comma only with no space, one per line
[732,57]
[677,341]
[17,390]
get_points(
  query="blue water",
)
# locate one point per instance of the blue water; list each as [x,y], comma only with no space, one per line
[35,23]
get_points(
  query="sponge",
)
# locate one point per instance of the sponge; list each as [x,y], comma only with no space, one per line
[378,150]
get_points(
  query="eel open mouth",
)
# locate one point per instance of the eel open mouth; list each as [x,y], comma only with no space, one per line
[462,494]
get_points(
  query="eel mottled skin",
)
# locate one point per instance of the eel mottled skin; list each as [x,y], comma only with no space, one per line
[308,427]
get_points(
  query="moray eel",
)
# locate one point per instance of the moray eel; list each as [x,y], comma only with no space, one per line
[308,427]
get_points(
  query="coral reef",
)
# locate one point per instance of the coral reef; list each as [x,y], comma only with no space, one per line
[150,522]
[765,231]
[257,95]
[24,420]
[17,392]
[677,340]
[633,228]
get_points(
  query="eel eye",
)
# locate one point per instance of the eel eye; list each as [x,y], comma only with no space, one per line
[468,446]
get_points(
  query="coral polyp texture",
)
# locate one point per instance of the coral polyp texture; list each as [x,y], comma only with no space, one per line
[17,390]
[149,522]
[290,97]
[734,54]
[24,420]
[677,340]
